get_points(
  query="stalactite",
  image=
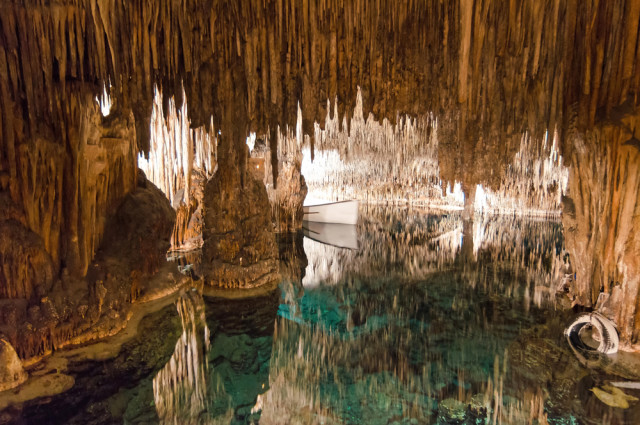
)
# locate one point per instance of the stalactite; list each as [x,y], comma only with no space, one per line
[534,183]
[178,39]
[375,162]
[601,220]
[518,68]
[180,161]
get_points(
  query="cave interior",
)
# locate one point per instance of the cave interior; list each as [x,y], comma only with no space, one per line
[130,129]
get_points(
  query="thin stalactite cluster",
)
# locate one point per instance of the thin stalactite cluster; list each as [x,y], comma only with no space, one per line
[489,71]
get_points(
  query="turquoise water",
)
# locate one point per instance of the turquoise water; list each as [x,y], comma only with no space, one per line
[430,320]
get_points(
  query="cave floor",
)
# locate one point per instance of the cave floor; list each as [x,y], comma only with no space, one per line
[430,320]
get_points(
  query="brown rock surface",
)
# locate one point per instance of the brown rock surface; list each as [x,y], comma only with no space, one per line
[26,269]
[239,248]
[72,310]
[187,234]
[139,233]
[488,70]
[493,69]
[289,197]
[11,372]
[602,221]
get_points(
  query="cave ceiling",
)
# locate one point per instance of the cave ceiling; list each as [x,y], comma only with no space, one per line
[491,69]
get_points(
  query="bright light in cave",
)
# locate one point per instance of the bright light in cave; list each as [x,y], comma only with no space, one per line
[324,163]
[104,100]
[176,149]
[251,141]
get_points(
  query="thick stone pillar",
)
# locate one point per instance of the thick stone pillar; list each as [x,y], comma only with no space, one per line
[602,223]
[239,248]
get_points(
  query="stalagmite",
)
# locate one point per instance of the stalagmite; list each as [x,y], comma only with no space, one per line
[180,161]
[475,76]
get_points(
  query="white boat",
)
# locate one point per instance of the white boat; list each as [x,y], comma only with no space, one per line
[343,212]
[338,235]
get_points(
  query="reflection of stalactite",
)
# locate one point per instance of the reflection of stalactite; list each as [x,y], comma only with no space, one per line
[422,247]
[180,389]
[534,245]
[426,244]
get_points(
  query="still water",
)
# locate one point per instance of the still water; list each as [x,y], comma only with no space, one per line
[408,318]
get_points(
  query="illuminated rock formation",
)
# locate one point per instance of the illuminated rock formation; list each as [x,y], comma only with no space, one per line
[288,192]
[486,71]
[375,162]
[11,373]
[602,221]
[239,245]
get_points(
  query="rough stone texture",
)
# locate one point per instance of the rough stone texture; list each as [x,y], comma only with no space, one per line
[289,197]
[491,68]
[180,161]
[139,231]
[488,70]
[187,233]
[239,248]
[26,269]
[74,309]
[602,221]
[67,196]
[11,372]
[286,186]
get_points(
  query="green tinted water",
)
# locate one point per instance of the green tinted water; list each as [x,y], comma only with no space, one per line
[431,320]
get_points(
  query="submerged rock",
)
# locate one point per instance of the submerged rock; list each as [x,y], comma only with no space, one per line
[614,397]
[451,412]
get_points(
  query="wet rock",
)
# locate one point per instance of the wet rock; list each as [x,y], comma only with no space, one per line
[239,248]
[11,372]
[451,412]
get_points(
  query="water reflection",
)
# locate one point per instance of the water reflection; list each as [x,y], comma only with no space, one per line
[179,389]
[220,365]
[432,319]
[412,244]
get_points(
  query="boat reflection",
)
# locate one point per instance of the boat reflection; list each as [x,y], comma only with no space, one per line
[433,319]
[338,235]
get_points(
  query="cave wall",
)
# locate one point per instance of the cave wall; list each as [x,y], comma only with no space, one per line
[488,70]
[64,192]
[602,220]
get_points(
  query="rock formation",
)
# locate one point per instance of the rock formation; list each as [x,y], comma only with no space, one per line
[47,311]
[487,71]
[602,220]
[286,186]
[11,374]
[180,161]
[239,248]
